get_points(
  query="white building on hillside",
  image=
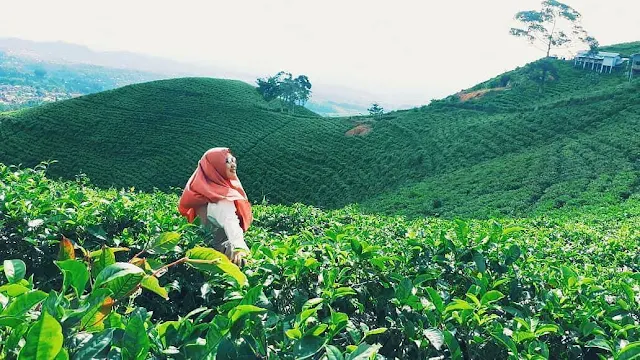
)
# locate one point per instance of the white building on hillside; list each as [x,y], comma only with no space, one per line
[600,61]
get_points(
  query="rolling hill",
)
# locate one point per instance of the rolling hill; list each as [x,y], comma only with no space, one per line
[500,148]
[32,73]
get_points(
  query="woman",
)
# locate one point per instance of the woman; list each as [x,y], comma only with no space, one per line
[214,194]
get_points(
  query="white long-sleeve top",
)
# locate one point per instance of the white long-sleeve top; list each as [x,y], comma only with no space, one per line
[222,214]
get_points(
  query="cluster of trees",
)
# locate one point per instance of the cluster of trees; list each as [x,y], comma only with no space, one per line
[291,91]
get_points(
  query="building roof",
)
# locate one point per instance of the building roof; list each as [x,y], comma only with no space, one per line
[599,55]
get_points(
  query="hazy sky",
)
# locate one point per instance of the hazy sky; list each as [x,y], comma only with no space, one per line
[406,52]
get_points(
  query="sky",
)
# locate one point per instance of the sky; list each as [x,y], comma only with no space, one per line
[400,52]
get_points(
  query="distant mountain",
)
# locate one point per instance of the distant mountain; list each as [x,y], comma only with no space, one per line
[328,100]
[27,81]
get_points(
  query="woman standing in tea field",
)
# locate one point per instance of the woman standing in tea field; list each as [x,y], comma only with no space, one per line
[214,194]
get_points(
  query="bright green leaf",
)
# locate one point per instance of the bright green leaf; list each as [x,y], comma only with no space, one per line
[491,296]
[75,274]
[344,291]
[24,303]
[375,332]
[164,243]
[211,260]
[629,352]
[242,310]
[512,229]
[44,340]
[311,303]
[120,278]
[364,352]
[458,304]
[294,333]
[13,290]
[436,299]
[318,330]
[105,258]
[151,283]
[546,329]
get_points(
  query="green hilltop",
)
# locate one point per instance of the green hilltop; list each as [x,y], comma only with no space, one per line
[502,148]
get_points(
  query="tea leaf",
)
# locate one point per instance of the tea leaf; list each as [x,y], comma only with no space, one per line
[75,274]
[629,352]
[211,260]
[333,353]
[151,283]
[120,278]
[44,340]
[242,310]
[308,346]
[66,251]
[24,303]
[95,345]
[164,243]
[14,270]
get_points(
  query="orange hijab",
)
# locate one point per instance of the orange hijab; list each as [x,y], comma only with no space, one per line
[209,184]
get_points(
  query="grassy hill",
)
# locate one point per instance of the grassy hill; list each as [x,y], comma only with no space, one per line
[625,49]
[575,144]
[507,150]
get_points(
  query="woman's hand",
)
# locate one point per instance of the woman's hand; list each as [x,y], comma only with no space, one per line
[238,258]
[237,255]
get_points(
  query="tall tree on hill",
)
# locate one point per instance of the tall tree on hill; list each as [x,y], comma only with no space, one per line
[283,86]
[555,25]
[303,86]
[376,110]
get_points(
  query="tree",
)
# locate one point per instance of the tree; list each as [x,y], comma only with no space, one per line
[540,71]
[283,86]
[268,88]
[303,89]
[376,110]
[554,25]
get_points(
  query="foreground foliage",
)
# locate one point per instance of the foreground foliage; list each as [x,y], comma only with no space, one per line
[118,274]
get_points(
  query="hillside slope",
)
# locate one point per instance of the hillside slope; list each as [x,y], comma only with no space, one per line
[509,151]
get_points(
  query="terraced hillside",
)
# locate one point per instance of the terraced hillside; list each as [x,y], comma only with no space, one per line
[510,151]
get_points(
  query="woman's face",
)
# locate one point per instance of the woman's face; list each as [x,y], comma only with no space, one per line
[231,166]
